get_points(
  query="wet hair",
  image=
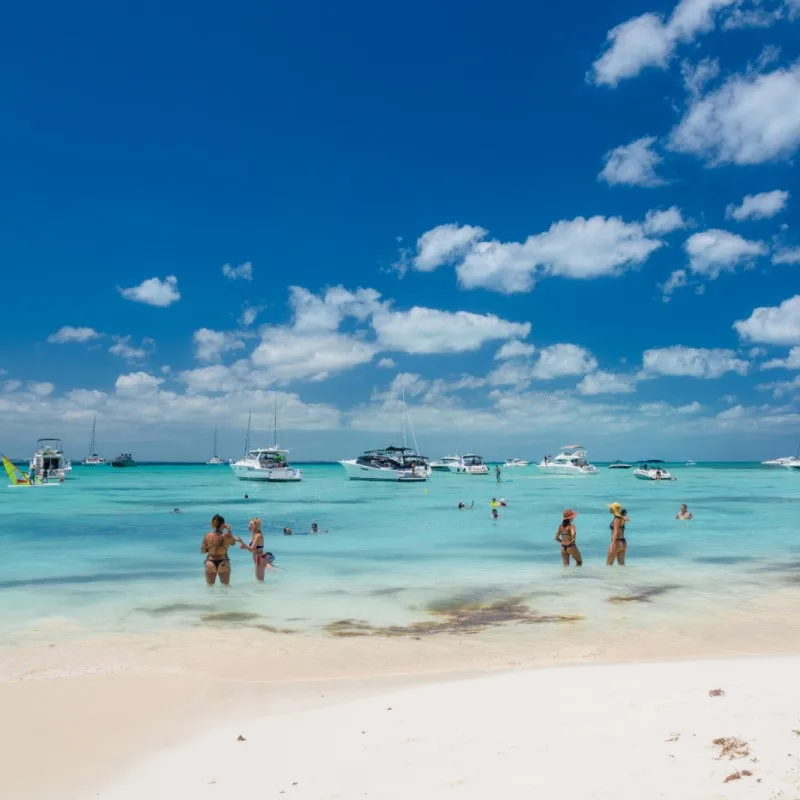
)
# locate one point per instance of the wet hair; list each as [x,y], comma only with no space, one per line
[256,523]
[313,526]
[566,522]
[217,522]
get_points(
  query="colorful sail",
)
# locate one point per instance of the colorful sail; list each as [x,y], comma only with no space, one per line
[14,474]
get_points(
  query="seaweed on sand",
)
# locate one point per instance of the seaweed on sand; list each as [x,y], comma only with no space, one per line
[731,747]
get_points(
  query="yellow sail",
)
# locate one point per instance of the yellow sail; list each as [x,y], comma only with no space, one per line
[14,474]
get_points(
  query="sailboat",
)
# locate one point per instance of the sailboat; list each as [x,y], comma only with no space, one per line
[19,478]
[215,459]
[266,463]
[93,460]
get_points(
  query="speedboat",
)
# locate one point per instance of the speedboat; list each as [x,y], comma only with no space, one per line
[215,460]
[123,460]
[570,461]
[49,460]
[785,461]
[388,464]
[93,460]
[266,464]
[619,465]
[446,464]
[516,462]
[469,464]
[647,472]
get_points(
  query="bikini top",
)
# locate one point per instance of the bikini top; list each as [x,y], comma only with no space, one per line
[621,524]
[258,546]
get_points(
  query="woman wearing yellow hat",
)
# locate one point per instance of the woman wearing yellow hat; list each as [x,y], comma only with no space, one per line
[619,544]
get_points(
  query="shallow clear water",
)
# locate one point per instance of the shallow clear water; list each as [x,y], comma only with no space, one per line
[103,553]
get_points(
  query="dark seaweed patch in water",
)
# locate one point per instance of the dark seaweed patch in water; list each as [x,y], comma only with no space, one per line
[390,590]
[644,595]
[273,629]
[174,608]
[722,559]
[452,617]
[229,616]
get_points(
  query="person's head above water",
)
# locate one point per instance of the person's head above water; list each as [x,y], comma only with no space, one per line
[247,497]
[684,508]
[314,527]
[287,531]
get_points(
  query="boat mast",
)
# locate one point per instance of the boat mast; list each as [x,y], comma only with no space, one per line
[275,426]
[92,443]
[407,425]
[214,454]
[247,437]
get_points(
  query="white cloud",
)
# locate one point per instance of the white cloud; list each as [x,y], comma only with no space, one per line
[579,248]
[792,361]
[12,386]
[69,334]
[387,363]
[781,388]
[661,222]
[757,17]
[249,315]
[607,383]
[444,244]
[242,272]
[649,41]
[778,325]
[315,313]
[561,360]
[511,373]
[154,292]
[676,280]
[751,119]
[696,76]
[787,255]
[694,362]
[758,206]
[515,349]
[210,345]
[428,330]
[40,389]
[757,352]
[691,408]
[137,384]
[123,348]
[713,251]
[633,164]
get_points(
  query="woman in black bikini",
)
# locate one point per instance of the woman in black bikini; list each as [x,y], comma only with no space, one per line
[619,544]
[215,547]
[565,536]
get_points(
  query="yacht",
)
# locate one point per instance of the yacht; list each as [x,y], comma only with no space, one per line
[648,472]
[388,464]
[472,465]
[123,460]
[446,464]
[215,459]
[93,460]
[785,461]
[516,462]
[570,461]
[270,464]
[49,460]
[619,465]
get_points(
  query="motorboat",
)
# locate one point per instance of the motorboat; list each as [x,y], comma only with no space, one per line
[446,464]
[785,461]
[516,462]
[619,465]
[19,478]
[690,463]
[570,461]
[649,472]
[215,460]
[123,460]
[93,460]
[388,464]
[270,464]
[49,460]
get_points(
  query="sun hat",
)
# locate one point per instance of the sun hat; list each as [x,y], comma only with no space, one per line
[616,508]
[570,514]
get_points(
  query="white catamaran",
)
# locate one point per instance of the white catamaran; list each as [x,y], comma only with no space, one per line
[93,460]
[215,459]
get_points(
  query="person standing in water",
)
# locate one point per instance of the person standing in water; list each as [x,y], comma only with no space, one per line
[565,536]
[498,476]
[619,544]
[215,546]
[256,547]
[684,513]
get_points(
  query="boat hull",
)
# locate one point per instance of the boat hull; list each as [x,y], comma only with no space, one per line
[247,472]
[566,469]
[643,475]
[361,472]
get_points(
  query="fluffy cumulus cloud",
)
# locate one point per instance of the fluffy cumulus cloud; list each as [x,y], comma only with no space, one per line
[243,272]
[68,334]
[792,361]
[758,206]
[658,223]
[787,255]
[579,248]
[40,389]
[779,325]
[210,345]
[154,292]
[751,119]
[561,360]
[782,388]
[650,41]
[124,348]
[515,349]
[633,164]
[137,384]
[713,251]
[249,315]
[386,363]
[444,244]
[428,330]
[607,383]
[693,362]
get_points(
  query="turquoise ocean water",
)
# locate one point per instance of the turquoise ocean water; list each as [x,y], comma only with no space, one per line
[102,552]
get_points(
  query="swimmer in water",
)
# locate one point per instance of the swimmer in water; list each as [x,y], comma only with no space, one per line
[495,515]
[462,504]
[287,531]
[176,511]
[314,528]
[684,513]
[565,536]
[215,546]
[256,547]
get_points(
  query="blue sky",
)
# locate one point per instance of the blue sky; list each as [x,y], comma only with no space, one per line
[543,225]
